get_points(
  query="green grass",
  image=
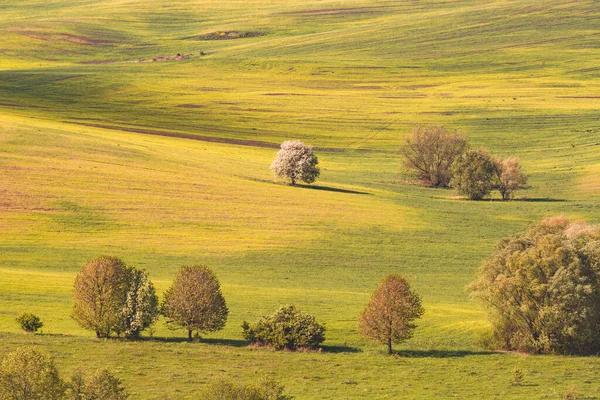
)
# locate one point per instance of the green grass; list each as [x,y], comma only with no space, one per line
[519,77]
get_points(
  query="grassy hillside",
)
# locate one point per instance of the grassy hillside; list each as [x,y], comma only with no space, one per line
[166,162]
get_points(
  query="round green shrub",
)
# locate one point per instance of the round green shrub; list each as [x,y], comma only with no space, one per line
[288,328]
[29,322]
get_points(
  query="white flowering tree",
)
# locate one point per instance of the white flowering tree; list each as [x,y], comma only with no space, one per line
[141,305]
[295,162]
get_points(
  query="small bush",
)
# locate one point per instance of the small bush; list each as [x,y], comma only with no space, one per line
[266,389]
[517,376]
[29,322]
[288,328]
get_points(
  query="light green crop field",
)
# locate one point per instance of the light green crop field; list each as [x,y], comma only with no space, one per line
[111,144]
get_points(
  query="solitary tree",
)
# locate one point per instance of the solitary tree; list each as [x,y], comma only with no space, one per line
[474,174]
[389,316]
[194,301]
[141,307]
[510,176]
[430,152]
[27,374]
[99,295]
[295,162]
[541,289]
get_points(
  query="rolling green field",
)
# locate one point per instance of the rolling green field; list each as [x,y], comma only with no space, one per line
[111,144]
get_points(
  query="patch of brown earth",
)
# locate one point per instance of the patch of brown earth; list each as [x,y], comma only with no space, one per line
[227,35]
[178,57]
[189,106]
[241,142]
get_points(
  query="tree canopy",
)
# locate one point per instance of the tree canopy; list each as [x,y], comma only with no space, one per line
[295,162]
[389,316]
[195,302]
[541,289]
[430,153]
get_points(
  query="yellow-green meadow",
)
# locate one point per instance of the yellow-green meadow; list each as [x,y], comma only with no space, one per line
[111,143]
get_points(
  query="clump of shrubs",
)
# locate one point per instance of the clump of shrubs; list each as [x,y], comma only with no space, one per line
[265,389]
[443,159]
[541,289]
[101,384]
[26,373]
[288,328]
[29,322]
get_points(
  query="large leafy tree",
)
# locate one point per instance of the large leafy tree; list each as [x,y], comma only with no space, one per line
[430,153]
[111,297]
[295,162]
[541,289]
[195,302]
[389,316]
[99,295]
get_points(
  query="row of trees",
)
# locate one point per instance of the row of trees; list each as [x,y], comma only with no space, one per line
[444,159]
[28,374]
[111,297]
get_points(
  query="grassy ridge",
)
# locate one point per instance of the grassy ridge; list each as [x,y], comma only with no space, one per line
[87,168]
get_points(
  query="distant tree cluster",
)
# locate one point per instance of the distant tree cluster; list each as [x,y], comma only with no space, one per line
[443,159]
[28,374]
[542,289]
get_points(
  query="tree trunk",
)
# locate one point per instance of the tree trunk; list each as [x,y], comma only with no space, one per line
[98,334]
[189,335]
[389,344]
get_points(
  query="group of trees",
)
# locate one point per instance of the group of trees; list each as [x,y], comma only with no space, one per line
[110,296]
[542,289]
[28,374]
[437,157]
[444,159]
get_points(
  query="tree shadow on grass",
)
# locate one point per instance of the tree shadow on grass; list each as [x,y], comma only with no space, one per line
[340,349]
[441,353]
[209,341]
[528,200]
[331,189]
[225,342]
